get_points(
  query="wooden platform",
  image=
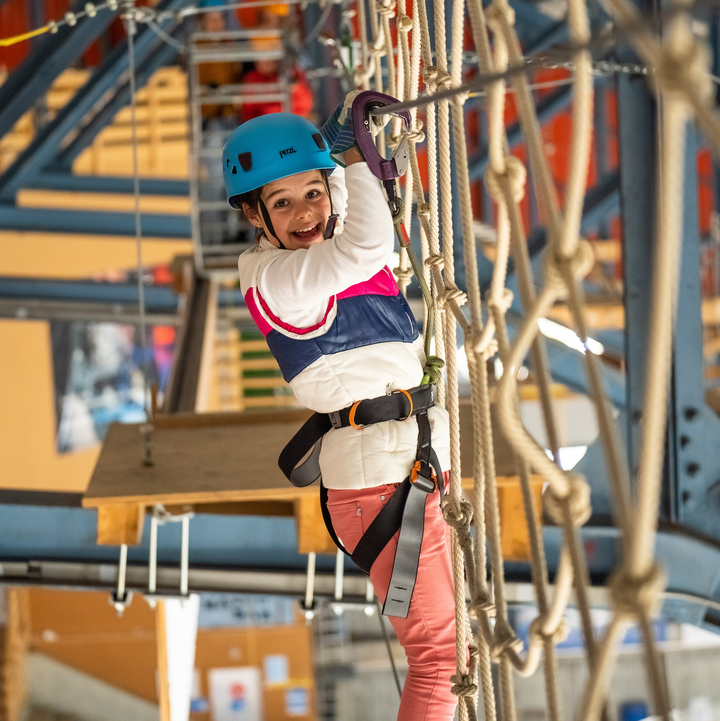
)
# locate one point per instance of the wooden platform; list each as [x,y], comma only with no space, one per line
[198,459]
[227,463]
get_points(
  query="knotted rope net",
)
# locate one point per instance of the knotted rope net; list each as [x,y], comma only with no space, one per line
[679,69]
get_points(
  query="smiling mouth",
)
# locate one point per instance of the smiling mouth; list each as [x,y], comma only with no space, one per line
[309,233]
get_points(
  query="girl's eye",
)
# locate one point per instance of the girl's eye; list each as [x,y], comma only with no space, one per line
[312,194]
[280,204]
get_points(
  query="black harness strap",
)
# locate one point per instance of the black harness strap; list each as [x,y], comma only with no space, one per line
[404,511]
[380,532]
[363,413]
[308,438]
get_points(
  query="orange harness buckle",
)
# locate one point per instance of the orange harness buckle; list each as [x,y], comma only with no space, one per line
[414,475]
[412,406]
[351,417]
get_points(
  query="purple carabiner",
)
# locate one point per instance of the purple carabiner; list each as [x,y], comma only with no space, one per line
[381,168]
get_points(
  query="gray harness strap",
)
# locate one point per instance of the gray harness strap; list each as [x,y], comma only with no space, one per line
[407,554]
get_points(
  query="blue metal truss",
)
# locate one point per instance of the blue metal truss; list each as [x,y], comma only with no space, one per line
[47,60]
[62,180]
[160,56]
[46,144]
[93,222]
[158,298]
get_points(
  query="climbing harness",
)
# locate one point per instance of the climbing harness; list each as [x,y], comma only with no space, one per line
[404,512]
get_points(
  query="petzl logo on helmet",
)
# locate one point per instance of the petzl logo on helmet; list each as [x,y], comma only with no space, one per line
[287,151]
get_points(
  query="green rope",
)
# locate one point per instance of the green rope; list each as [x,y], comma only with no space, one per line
[397,217]
[433,370]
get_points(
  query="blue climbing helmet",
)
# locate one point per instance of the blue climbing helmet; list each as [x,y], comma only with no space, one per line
[271,147]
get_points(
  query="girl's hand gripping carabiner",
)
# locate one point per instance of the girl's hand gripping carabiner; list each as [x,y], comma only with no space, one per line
[386,170]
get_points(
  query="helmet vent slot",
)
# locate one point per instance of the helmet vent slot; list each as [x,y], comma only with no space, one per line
[234,170]
[245,160]
[319,141]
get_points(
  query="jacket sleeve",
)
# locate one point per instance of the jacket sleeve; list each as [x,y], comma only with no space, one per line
[309,276]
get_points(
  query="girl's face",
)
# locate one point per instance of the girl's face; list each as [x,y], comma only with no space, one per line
[298,206]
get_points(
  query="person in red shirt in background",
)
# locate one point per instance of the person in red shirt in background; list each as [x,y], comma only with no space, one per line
[268,71]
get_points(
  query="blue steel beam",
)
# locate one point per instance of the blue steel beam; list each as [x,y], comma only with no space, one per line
[37,535]
[45,144]
[637,146]
[158,298]
[527,15]
[93,222]
[162,56]
[62,180]
[46,61]
[693,429]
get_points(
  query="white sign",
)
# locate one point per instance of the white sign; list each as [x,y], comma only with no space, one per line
[235,694]
[276,669]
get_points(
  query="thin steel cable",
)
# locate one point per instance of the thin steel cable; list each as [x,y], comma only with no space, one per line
[131,28]
[386,639]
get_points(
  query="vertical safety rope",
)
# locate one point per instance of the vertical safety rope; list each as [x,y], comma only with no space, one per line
[147,428]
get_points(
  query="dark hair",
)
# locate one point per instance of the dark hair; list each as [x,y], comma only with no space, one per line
[252,197]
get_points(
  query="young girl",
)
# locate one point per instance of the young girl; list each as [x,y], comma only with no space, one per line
[334,319]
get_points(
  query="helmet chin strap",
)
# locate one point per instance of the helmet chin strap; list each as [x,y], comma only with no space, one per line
[330,224]
[268,223]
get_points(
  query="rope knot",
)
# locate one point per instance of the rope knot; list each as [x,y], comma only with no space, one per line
[386,7]
[463,685]
[432,261]
[423,211]
[443,80]
[556,635]
[515,174]
[637,595]
[403,274]
[496,15]
[504,302]
[577,266]
[430,75]
[483,605]
[433,368]
[683,66]
[483,343]
[577,497]
[458,518]
[505,641]
[404,23]
[449,295]
[417,136]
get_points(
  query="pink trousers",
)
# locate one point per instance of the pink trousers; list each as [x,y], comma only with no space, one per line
[428,633]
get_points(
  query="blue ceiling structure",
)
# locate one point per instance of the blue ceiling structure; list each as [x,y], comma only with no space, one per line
[41,527]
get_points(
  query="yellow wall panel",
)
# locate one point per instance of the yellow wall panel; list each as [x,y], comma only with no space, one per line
[27,415]
[61,255]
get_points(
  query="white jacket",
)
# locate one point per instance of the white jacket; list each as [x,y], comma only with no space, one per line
[341,332]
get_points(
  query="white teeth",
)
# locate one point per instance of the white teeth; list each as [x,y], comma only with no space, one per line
[305,230]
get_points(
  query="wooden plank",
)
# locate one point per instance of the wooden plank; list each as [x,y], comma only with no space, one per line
[118,524]
[205,464]
[197,420]
[312,536]
[275,382]
[258,364]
